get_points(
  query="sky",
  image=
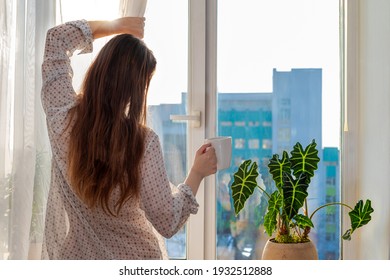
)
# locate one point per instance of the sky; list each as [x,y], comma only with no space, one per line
[254,37]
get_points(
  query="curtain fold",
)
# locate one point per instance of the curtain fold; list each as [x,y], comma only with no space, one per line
[23,136]
[7,10]
[24,152]
[132,8]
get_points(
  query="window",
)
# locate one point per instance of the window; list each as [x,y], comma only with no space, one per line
[168,94]
[253,144]
[280,69]
[239,123]
[267,144]
[239,143]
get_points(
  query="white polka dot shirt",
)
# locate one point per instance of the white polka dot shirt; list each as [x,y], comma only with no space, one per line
[72,230]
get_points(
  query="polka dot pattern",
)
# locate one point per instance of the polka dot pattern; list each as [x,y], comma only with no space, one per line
[72,230]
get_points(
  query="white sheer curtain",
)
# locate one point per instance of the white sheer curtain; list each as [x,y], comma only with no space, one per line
[132,8]
[24,150]
[24,147]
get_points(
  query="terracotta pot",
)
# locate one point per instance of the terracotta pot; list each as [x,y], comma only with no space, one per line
[289,251]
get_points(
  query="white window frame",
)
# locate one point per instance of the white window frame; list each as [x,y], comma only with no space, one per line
[365,141]
[196,102]
[202,97]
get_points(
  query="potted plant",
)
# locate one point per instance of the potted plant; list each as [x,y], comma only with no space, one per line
[288,218]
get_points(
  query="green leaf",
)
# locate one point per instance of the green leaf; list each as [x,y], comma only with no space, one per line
[270,222]
[360,216]
[303,221]
[294,193]
[278,166]
[270,219]
[244,184]
[304,160]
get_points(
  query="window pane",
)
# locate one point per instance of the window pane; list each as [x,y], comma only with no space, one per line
[278,83]
[167,36]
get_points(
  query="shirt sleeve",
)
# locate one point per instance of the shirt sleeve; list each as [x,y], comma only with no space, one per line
[166,206]
[58,95]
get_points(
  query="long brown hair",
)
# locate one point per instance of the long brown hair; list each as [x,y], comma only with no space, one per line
[107,139]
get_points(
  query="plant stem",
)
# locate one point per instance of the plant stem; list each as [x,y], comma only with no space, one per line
[330,204]
[306,208]
[298,231]
[264,191]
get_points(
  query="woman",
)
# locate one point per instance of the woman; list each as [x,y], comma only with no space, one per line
[110,197]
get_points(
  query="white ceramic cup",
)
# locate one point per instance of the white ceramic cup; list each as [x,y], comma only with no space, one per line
[223,150]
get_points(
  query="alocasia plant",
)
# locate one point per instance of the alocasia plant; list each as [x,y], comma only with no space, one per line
[287,214]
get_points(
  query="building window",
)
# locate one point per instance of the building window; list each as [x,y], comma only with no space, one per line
[254,123]
[267,124]
[267,144]
[226,123]
[284,134]
[239,143]
[285,115]
[253,144]
[285,102]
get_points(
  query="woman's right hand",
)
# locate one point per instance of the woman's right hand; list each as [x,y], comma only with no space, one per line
[205,164]
[129,25]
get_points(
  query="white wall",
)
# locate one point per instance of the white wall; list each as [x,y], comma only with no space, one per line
[367,143]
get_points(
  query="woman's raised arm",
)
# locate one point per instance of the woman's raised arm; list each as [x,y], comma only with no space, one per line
[129,25]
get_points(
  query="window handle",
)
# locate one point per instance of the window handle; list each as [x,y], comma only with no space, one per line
[194,118]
